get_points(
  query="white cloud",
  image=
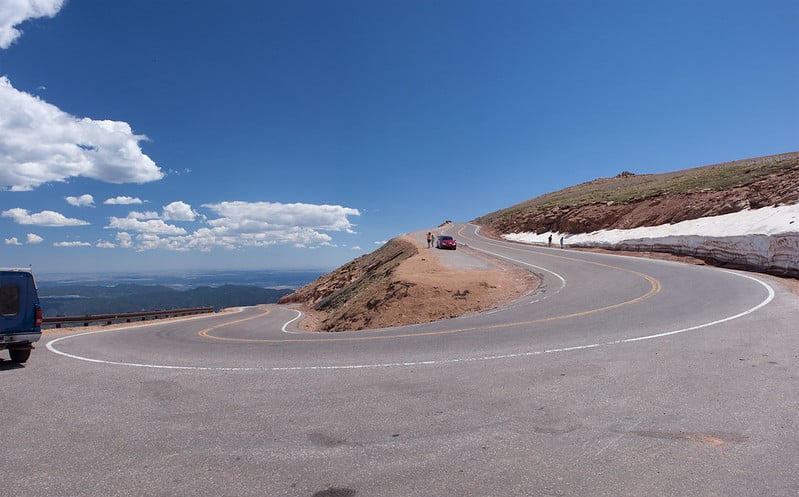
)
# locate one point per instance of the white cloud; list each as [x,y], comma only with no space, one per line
[123,201]
[104,244]
[124,239]
[40,143]
[33,239]
[72,244]
[242,224]
[150,241]
[261,224]
[151,226]
[44,218]
[143,215]
[355,247]
[264,216]
[82,201]
[12,241]
[206,239]
[178,211]
[15,12]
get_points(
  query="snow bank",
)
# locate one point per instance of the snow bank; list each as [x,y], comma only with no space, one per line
[764,239]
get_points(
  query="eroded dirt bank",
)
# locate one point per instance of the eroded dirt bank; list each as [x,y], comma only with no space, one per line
[402,283]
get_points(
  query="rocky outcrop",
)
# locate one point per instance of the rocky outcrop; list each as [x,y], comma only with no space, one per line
[331,290]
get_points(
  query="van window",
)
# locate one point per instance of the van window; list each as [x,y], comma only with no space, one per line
[9,300]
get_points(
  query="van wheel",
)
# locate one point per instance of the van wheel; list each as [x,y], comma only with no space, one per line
[19,355]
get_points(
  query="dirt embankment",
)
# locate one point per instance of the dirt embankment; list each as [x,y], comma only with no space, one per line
[402,283]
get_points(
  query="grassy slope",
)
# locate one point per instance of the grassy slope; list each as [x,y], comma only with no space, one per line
[627,188]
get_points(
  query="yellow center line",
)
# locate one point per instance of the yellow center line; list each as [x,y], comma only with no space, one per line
[655,288]
[206,333]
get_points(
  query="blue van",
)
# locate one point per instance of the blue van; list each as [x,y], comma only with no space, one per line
[20,313]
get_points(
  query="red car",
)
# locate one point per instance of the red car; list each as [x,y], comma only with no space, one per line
[446,242]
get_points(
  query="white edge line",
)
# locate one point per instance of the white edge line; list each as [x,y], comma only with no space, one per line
[766,301]
[284,328]
[769,298]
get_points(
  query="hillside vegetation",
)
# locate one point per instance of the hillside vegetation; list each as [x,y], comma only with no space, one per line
[629,200]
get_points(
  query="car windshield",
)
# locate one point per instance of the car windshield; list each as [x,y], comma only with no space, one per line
[445,238]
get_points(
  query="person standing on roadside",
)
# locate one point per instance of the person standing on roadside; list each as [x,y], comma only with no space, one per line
[550,240]
[429,240]
[561,242]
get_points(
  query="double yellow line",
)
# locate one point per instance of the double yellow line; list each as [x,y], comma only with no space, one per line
[655,288]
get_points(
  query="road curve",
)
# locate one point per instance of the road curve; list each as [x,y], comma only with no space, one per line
[618,376]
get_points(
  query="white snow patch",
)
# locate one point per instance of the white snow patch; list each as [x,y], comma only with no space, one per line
[766,239]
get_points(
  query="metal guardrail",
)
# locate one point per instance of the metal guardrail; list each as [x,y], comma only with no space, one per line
[57,322]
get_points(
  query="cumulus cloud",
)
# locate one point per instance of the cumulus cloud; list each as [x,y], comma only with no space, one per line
[151,226]
[123,201]
[44,218]
[105,244]
[40,143]
[82,201]
[143,215]
[33,239]
[125,239]
[241,224]
[72,244]
[265,216]
[15,12]
[150,241]
[261,224]
[12,241]
[178,211]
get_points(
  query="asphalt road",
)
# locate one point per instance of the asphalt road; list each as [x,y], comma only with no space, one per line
[619,376]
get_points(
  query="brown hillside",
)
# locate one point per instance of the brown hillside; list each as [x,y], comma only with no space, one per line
[631,201]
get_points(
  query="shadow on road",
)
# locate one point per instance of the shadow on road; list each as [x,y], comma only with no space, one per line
[8,365]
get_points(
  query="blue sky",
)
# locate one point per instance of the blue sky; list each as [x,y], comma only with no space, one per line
[174,135]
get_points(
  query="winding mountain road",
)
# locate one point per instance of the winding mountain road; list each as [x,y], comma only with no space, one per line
[618,376]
